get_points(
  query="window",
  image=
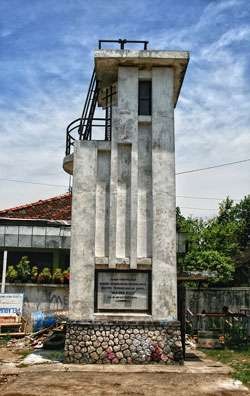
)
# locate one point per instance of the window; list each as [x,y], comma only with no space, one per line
[145,97]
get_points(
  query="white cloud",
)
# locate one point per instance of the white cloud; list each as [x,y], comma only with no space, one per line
[212,117]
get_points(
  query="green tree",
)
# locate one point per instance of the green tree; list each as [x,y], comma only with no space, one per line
[219,246]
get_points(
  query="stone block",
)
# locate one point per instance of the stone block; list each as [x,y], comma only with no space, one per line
[141,346]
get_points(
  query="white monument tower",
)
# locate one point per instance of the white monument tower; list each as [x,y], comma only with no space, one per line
[123,284]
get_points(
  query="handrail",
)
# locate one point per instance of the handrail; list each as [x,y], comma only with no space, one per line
[89,102]
[87,121]
[75,125]
[122,43]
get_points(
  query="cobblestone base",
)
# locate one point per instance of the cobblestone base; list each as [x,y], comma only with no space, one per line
[123,342]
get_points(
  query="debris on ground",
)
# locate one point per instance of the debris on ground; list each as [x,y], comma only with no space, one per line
[40,357]
[52,337]
[190,341]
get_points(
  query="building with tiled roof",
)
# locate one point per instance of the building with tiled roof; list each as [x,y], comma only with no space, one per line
[39,230]
[55,208]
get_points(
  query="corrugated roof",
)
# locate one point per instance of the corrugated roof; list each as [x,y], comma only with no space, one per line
[55,208]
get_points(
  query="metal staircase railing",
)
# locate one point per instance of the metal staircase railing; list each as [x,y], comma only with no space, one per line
[85,129]
[84,125]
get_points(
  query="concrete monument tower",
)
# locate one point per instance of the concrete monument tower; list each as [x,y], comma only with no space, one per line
[123,284]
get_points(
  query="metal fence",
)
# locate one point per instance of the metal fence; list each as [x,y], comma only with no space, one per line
[224,311]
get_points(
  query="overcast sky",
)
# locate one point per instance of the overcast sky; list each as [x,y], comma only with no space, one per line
[46,61]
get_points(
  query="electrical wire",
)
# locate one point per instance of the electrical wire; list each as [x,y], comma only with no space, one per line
[178,173]
[31,182]
[208,198]
[187,207]
[213,167]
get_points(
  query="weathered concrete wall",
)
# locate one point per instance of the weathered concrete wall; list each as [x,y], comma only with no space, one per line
[164,294]
[56,297]
[124,197]
[41,297]
[82,260]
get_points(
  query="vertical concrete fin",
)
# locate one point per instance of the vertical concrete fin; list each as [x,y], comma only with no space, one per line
[164,215]
[124,169]
[82,260]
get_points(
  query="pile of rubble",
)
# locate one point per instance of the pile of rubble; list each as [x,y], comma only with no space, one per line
[49,338]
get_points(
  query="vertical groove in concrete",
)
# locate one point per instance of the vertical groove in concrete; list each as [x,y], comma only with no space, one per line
[123,200]
[102,203]
[144,211]
[113,197]
[134,203]
[163,182]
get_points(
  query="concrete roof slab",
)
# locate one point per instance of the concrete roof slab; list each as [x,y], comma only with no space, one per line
[108,61]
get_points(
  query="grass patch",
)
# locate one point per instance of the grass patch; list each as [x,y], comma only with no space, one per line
[4,340]
[54,355]
[237,358]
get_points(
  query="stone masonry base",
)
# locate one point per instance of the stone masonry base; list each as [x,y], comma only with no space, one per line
[123,342]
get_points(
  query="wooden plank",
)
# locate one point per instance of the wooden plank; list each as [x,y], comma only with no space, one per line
[12,334]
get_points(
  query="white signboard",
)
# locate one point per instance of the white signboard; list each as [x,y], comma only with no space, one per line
[11,304]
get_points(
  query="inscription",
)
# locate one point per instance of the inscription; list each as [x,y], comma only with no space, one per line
[125,291]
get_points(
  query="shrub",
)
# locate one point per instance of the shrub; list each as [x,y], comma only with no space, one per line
[23,269]
[44,276]
[34,273]
[11,274]
[66,276]
[57,276]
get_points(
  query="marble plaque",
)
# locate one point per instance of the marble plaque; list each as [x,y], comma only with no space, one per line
[122,291]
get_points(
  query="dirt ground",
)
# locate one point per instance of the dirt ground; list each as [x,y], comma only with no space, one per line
[194,379]
[107,384]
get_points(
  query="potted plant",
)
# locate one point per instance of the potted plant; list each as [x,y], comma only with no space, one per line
[34,273]
[57,276]
[44,276]
[11,274]
[66,276]
[23,269]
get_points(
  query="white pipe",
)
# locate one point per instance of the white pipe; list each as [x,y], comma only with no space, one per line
[5,253]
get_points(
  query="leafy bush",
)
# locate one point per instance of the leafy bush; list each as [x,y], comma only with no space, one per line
[34,273]
[57,276]
[23,269]
[44,276]
[11,274]
[219,245]
[218,265]
[66,276]
[24,273]
[236,331]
